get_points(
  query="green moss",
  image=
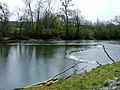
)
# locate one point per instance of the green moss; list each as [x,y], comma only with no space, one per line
[89,81]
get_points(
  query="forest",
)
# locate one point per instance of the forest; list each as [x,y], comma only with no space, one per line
[41,20]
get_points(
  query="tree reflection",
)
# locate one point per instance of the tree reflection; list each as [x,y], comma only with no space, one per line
[46,51]
[4,51]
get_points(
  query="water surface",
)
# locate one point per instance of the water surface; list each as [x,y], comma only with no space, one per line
[22,64]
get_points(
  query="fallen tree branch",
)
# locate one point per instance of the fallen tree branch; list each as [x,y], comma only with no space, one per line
[67,69]
[54,79]
[107,53]
[98,63]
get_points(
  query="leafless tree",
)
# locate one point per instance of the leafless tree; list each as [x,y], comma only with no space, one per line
[47,13]
[39,6]
[30,12]
[117,20]
[78,20]
[65,9]
[4,17]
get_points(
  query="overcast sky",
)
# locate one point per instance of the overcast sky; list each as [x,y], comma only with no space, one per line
[90,9]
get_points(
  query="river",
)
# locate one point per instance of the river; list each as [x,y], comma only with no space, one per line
[26,63]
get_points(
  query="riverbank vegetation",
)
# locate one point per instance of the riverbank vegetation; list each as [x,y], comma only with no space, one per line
[93,80]
[42,20]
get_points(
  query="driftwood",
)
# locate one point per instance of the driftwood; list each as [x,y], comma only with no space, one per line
[107,53]
[98,63]
[67,69]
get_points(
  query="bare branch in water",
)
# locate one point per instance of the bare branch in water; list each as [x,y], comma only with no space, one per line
[68,69]
[98,63]
[107,53]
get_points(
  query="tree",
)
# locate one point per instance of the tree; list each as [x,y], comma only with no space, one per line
[18,24]
[30,12]
[117,20]
[39,7]
[4,17]
[47,14]
[65,9]
[78,19]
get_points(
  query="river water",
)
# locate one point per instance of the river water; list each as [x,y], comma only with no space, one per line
[26,63]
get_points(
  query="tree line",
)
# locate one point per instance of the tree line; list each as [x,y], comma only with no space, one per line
[41,19]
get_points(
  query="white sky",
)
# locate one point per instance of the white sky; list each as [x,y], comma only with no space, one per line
[90,9]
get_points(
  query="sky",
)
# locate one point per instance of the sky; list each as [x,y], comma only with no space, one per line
[90,9]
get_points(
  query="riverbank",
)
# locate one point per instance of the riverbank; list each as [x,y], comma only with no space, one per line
[96,79]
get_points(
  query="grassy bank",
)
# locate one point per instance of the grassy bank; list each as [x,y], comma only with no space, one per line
[88,81]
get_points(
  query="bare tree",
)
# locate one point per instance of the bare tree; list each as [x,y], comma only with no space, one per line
[117,20]
[65,9]
[29,5]
[4,17]
[39,7]
[47,13]
[78,19]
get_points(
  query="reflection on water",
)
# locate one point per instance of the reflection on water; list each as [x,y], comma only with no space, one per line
[22,64]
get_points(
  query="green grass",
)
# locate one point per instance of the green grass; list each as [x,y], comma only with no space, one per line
[89,81]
